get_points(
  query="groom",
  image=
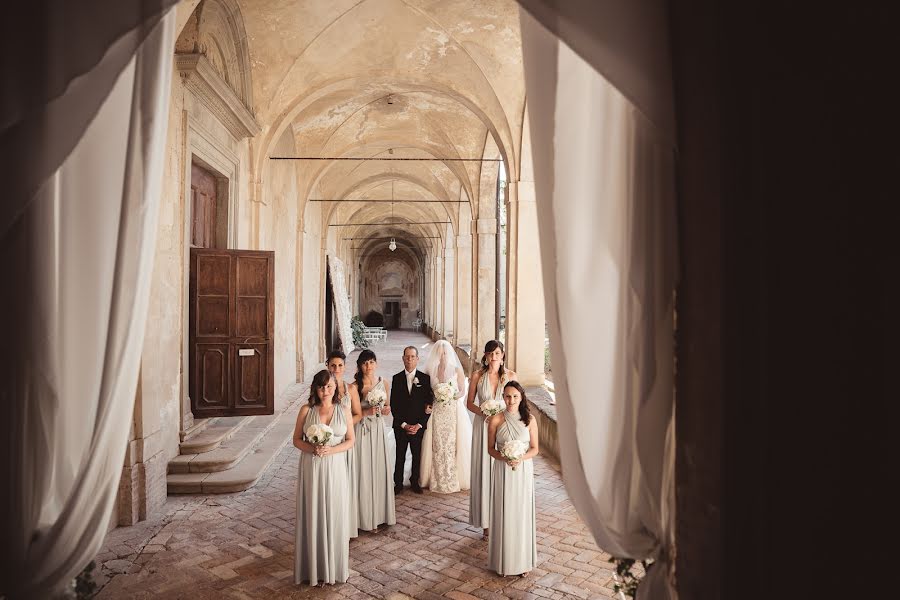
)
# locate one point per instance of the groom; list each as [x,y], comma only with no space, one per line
[411,400]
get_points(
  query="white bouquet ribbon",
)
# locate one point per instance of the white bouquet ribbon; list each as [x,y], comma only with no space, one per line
[514,450]
[492,407]
[445,392]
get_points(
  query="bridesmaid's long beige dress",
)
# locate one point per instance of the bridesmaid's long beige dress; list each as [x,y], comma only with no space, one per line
[512,549]
[322,541]
[482,463]
[374,470]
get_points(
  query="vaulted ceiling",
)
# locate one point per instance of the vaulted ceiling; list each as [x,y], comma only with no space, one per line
[435,79]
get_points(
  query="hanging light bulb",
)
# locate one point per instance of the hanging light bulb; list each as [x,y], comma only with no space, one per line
[393,245]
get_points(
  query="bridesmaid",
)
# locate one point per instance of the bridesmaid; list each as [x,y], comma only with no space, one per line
[322,542]
[513,546]
[374,469]
[485,384]
[349,399]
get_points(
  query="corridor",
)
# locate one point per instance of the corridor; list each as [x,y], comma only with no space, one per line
[242,545]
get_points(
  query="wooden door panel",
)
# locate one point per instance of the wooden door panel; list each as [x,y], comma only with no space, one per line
[203,207]
[252,318]
[252,382]
[231,332]
[213,274]
[213,374]
[252,273]
[212,317]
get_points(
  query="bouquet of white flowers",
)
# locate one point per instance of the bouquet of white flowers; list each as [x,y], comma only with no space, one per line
[514,450]
[376,399]
[445,392]
[319,434]
[492,407]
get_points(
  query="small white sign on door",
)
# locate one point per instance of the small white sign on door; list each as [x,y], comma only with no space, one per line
[246,352]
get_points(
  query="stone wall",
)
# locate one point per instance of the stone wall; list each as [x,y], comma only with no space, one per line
[545,412]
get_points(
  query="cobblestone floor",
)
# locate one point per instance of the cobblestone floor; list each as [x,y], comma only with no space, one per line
[242,545]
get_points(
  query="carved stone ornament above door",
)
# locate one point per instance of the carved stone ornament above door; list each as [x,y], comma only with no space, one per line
[203,80]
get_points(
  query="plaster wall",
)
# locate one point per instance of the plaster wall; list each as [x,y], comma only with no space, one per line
[310,292]
[391,276]
[278,232]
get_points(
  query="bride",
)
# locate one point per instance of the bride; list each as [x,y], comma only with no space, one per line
[446,447]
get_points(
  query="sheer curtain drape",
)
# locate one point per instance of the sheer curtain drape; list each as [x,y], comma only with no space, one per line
[605,179]
[76,262]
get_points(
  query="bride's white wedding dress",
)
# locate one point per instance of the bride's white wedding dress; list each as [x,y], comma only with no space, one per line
[446,446]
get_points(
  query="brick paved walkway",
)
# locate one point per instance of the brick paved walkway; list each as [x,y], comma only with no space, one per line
[242,545]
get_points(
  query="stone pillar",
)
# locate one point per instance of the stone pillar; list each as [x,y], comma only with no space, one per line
[484,282]
[525,316]
[439,291]
[463,314]
[426,291]
[449,276]
[142,487]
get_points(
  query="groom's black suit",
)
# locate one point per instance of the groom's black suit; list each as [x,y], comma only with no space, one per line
[408,406]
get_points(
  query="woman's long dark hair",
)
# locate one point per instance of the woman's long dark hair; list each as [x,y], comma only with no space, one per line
[524,411]
[320,380]
[365,355]
[488,348]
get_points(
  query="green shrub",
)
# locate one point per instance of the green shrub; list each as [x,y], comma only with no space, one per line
[358,326]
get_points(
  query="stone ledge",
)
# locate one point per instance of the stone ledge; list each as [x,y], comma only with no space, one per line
[545,411]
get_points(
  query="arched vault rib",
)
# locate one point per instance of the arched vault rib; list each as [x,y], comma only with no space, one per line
[427,209]
[263,144]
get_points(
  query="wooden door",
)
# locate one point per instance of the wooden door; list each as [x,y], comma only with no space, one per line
[232,326]
[203,208]
[391,315]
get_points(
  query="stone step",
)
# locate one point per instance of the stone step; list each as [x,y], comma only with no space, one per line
[198,426]
[218,430]
[230,451]
[248,470]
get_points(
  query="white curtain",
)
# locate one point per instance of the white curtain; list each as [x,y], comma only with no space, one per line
[605,180]
[77,260]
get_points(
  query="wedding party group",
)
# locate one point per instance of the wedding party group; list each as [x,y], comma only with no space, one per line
[478,437]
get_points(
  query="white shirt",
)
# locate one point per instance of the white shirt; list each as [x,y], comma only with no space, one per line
[409,384]
[409,380]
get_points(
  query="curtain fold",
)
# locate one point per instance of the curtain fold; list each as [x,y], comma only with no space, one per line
[605,183]
[80,252]
[77,50]
[626,41]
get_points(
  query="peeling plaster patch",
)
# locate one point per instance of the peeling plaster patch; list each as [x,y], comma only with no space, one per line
[464,27]
[489,27]
[441,38]
[437,42]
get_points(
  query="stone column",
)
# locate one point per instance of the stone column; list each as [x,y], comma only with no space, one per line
[484,282]
[463,314]
[439,291]
[449,288]
[426,291]
[142,487]
[525,316]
